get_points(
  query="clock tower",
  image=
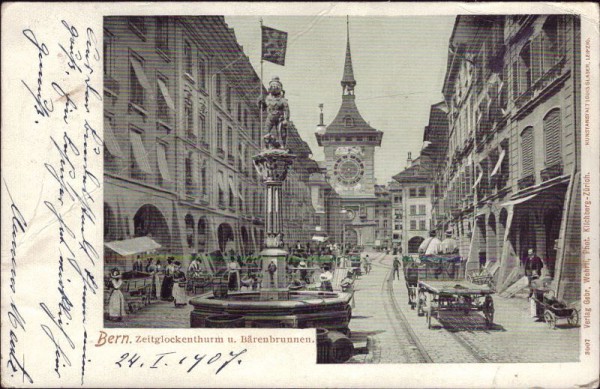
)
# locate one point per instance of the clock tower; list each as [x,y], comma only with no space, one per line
[349,146]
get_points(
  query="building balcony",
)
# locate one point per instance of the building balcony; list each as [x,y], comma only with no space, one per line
[526,182]
[552,171]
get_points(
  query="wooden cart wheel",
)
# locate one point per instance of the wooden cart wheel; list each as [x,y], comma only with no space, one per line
[573,320]
[469,278]
[550,319]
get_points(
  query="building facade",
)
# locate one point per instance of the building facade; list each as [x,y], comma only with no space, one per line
[511,182]
[383,218]
[415,193]
[349,145]
[181,127]
[396,203]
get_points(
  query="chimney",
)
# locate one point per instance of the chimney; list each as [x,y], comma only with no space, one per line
[409,160]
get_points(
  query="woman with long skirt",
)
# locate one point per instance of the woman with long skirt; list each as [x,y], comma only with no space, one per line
[179,295]
[116,301]
[166,291]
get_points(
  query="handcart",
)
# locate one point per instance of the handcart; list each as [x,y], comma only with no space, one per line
[551,310]
[437,296]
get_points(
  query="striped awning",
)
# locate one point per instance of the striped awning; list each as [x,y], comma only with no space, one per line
[165,92]
[140,74]
[111,143]
[139,152]
[163,166]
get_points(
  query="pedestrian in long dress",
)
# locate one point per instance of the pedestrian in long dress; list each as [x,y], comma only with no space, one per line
[158,278]
[179,283]
[166,292]
[116,301]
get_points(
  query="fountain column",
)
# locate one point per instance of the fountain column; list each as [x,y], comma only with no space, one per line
[272,165]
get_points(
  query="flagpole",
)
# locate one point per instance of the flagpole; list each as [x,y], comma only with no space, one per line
[260,89]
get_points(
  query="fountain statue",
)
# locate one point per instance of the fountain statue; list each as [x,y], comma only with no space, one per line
[274,304]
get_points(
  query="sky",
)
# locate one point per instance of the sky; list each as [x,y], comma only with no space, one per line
[399,65]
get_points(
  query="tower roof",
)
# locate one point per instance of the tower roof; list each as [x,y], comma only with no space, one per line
[348,77]
[349,119]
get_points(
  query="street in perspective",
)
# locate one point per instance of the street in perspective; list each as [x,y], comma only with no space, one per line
[438,223]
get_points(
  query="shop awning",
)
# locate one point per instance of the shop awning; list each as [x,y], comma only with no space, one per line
[139,152]
[140,74]
[498,164]
[242,156]
[518,201]
[320,238]
[478,180]
[165,92]
[221,182]
[163,166]
[233,188]
[133,246]
[111,143]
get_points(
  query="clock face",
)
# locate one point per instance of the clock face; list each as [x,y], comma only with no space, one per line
[349,169]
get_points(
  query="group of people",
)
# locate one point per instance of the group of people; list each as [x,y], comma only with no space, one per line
[434,246]
[168,284]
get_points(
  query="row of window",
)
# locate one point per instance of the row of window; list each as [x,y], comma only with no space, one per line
[196,170]
[418,225]
[422,209]
[552,145]
[417,192]
[538,55]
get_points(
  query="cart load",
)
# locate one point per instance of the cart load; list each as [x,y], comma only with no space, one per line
[436,297]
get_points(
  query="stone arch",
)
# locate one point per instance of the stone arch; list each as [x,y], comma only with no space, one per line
[246,241]
[150,221]
[202,235]
[189,230]
[414,243]
[225,235]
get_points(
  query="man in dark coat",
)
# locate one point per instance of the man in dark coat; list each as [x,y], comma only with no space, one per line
[533,264]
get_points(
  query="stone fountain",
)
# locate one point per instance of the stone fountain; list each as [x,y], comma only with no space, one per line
[274,305]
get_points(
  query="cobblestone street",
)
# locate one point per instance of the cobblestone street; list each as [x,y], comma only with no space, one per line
[515,337]
[385,320]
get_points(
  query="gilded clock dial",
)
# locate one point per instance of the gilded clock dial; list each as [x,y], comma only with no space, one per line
[349,169]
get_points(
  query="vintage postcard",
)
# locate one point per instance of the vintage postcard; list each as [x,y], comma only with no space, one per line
[300,195]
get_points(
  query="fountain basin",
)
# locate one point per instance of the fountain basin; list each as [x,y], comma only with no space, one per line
[303,309]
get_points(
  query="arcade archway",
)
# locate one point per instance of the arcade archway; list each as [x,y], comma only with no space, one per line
[149,221]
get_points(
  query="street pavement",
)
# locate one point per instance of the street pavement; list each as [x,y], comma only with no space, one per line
[396,334]
[515,337]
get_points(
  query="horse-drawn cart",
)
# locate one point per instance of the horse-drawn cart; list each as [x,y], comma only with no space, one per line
[437,296]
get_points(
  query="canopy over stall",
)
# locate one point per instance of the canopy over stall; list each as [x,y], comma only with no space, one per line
[133,246]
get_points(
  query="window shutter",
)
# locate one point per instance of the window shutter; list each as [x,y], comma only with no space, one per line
[552,133]
[527,155]
[515,79]
[524,74]
[538,57]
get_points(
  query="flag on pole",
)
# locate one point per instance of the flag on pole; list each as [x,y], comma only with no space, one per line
[274,43]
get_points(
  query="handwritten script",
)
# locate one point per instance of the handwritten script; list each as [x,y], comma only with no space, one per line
[65,104]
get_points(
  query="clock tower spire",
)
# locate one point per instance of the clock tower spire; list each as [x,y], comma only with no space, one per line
[348,81]
[349,144]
